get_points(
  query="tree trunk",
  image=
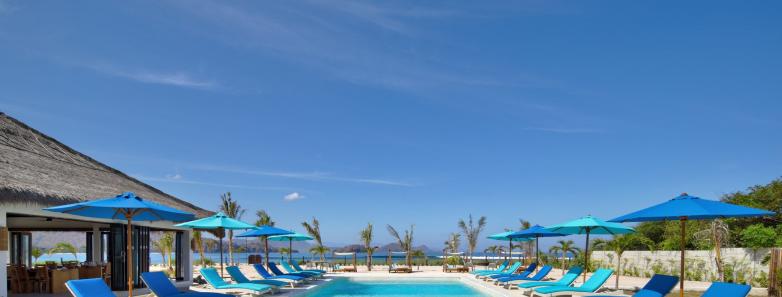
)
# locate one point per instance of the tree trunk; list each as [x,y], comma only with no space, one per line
[230,246]
[718,260]
[618,269]
[369,261]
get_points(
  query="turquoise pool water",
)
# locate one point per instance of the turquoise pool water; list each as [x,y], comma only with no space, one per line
[398,287]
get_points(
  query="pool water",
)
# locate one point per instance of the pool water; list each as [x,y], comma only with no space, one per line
[397,287]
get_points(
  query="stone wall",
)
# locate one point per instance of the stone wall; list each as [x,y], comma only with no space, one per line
[740,264]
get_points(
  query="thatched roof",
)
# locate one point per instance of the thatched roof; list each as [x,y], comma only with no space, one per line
[36,168]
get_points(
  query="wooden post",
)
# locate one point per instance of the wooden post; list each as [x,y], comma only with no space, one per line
[683,223]
[774,270]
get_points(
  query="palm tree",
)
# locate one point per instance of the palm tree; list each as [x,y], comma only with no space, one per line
[472,232]
[263,218]
[527,247]
[564,247]
[64,247]
[314,230]
[284,251]
[36,253]
[366,238]
[453,242]
[198,241]
[619,244]
[165,245]
[419,254]
[716,235]
[319,250]
[406,242]
[232,209]
[493,250]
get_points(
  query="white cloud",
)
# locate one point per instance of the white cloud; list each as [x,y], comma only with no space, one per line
[293,196]
[176,78]
[175,176]
[317,176]
[201,183]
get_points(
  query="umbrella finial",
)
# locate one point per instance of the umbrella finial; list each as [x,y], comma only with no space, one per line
[684,194]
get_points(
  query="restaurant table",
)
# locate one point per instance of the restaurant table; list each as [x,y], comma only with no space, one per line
[59,277]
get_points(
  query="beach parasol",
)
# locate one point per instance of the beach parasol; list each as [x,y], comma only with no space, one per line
[126,206]
[219,222]
[536,232]
[506,236]
[290,238]
[589,225]
[264,232]
[686,207]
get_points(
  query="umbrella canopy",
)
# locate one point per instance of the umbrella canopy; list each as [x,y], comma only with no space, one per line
[218,221]
[589,225]
[692,208]
[536,232]
[506,236]
[290,238]
[264,232]
[686,207]
[126,206]
[126,203]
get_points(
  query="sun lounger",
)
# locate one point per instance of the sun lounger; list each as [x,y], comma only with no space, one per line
[213,279]
[399,268]
[290,269]
[266,275]
[298,268]
[340,268]
[510,270]
[456,268]
[90,287]
[570,276]
[499,269]
[158,283]
[537,277]
[524,273]
[718,289]
[590,286]
[276,270]
[240,278]
[659,286]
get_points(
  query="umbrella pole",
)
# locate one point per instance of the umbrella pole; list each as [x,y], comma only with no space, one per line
[586,257]
[537,252]
[290,250]
[510,251]
[129,216]
[682,222]
[266,247]
[221,254]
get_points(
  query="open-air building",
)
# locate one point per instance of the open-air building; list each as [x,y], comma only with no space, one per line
[37,171]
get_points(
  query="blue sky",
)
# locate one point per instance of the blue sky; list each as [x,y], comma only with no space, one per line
[408,112]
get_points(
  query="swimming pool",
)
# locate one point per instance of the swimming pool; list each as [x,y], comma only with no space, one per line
[397,287]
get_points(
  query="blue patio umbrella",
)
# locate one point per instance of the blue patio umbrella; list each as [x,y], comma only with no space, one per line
[589,225]
[506,236]
[686,207]
[219,222]
[536,232]
[290,238]
[126,206]
[264,232]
